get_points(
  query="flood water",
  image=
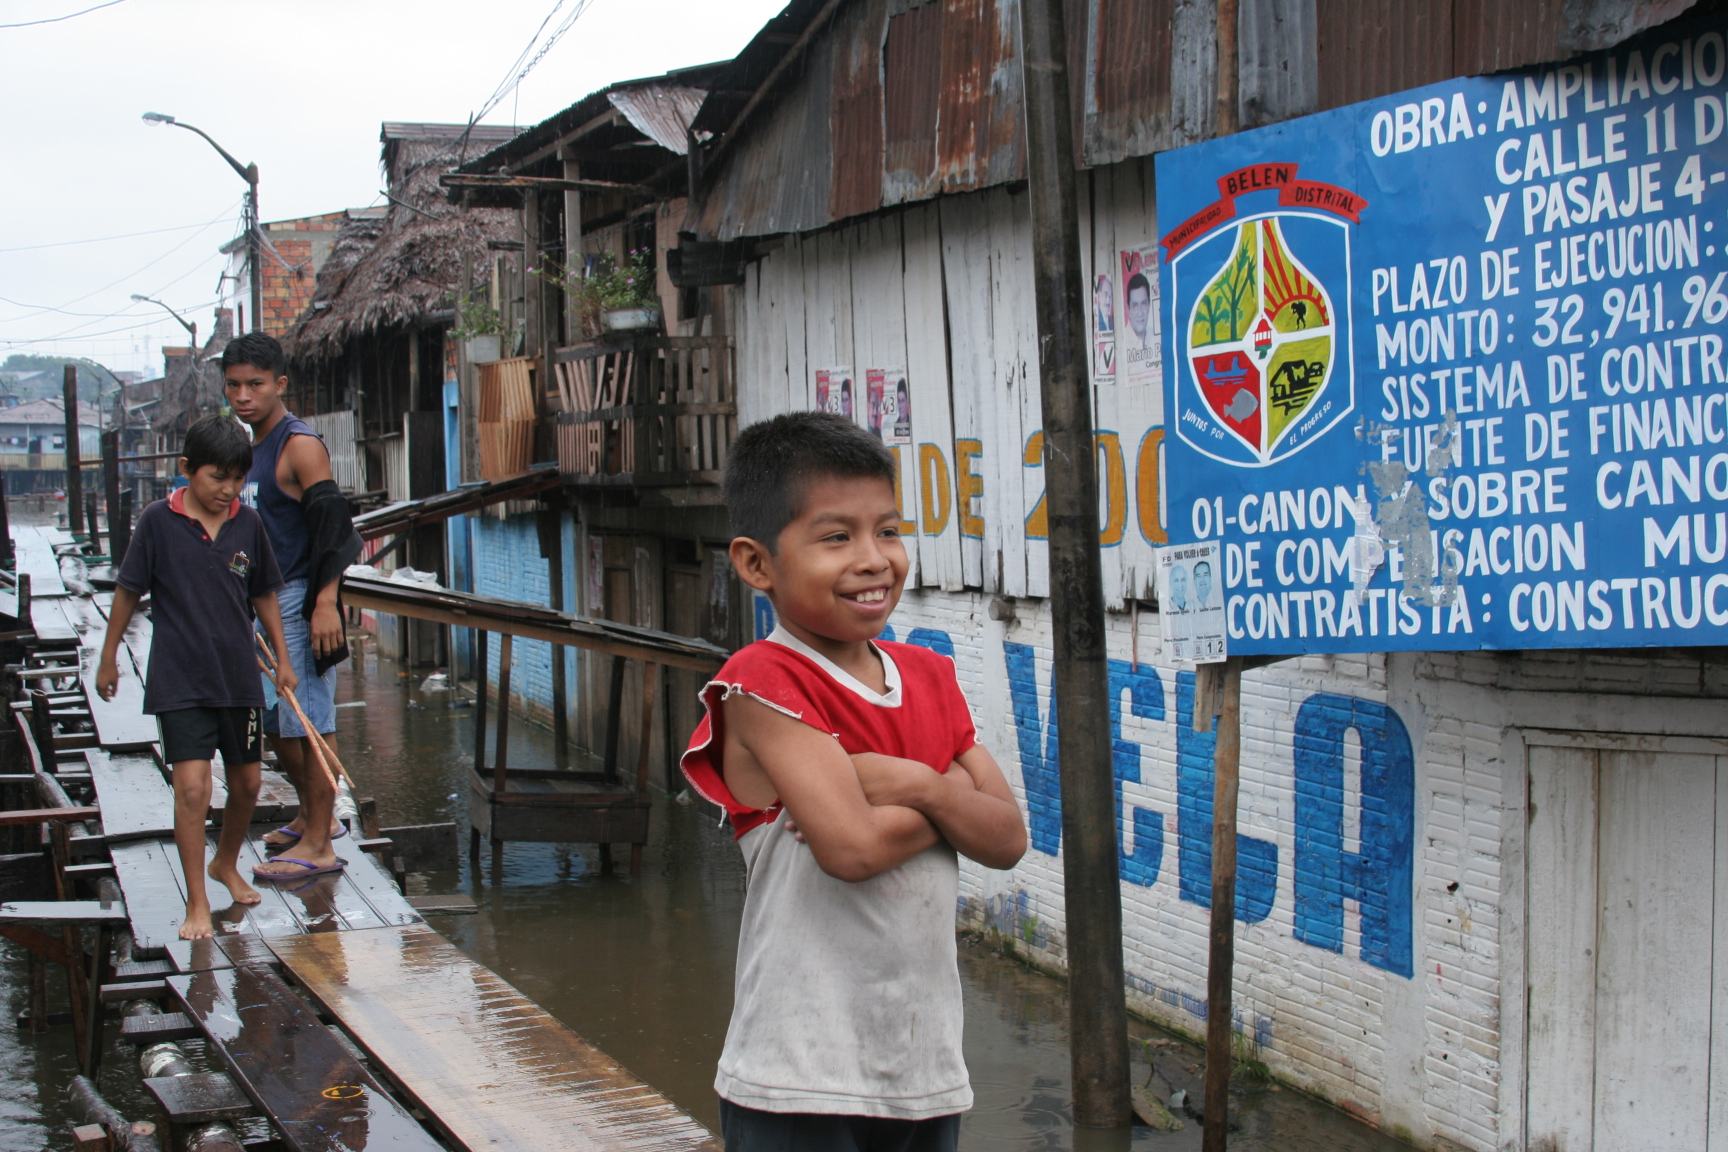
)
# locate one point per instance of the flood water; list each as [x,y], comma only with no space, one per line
[642,967]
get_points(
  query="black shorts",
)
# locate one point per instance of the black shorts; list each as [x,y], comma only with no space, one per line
[199,733]
[748,1130]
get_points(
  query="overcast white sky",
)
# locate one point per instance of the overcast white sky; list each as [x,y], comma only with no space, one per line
[298,87]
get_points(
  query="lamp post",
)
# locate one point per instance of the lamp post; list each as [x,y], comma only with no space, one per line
[191,328]
[248,173]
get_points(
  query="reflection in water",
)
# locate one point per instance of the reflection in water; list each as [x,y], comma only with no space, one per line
[643,968]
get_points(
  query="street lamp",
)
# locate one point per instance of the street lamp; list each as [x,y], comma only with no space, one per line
[248,173]
[191,328]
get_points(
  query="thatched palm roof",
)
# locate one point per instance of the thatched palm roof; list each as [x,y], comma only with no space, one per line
[404,269]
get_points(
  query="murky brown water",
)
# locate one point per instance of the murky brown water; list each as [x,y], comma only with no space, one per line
[643,967]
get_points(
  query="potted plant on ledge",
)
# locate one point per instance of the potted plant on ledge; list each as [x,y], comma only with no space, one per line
[627,292]
[479,328]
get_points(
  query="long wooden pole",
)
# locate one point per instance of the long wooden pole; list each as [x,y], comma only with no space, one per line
[74,478]
[1221,958]
[1091,885]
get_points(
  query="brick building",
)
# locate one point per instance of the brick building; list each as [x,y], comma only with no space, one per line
[293,252]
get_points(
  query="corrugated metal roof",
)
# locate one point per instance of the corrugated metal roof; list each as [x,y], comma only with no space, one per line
[661,112]
[898,101]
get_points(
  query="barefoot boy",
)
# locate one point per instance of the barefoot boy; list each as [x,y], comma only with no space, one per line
[851,774]
[207,566]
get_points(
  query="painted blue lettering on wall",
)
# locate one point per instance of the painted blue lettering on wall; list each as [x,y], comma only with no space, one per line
[1256,860]
[1039,766]
[1037,742]
[1378,878]
[762,615]
[1145,691]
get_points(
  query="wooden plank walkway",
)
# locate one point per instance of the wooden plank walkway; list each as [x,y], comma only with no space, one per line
[360,896]
[284,1059]
[491,1067]
[33,548]
[137,798]
[488,1067]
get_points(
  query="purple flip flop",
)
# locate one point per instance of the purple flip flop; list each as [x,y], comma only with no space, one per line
[311,869]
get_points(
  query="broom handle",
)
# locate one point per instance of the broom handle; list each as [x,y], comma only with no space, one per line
[320,749]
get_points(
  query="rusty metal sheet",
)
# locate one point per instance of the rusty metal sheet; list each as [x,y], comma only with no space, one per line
[980,123]
[1280,77]
[912,77]
[661,112]
[855,110]
[899,101]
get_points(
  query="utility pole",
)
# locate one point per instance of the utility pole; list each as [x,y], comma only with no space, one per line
[1226,762]
[1091,886]
[74,481]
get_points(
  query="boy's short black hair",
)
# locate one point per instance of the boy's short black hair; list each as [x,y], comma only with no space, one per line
[772,460]
[258,349]
[221,441]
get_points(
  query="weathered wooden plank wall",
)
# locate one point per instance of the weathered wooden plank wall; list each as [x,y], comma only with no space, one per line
[944,290]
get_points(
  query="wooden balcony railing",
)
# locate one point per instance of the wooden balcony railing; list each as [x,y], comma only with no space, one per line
[652,411]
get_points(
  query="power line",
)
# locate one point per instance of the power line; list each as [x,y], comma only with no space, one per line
[105,239]
[136,271]
[518,71]
[68,16]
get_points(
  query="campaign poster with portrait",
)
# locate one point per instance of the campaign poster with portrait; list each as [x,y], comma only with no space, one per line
[1191,602]
[1103,329]
[890,405]
[834,391]
[1137,352]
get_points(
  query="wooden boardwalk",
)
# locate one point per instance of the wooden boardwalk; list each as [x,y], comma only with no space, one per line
[455,1056]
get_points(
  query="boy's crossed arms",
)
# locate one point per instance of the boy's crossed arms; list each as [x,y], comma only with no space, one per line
[867,813]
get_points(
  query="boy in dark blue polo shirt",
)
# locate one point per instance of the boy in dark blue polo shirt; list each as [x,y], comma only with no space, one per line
[206,564]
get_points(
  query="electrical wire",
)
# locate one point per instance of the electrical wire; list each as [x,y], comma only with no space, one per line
[105,239]
[226,212]
[518,71]
[68,16]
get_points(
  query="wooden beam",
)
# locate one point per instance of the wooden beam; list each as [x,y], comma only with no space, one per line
[810,30]
[540,184]
[24,817]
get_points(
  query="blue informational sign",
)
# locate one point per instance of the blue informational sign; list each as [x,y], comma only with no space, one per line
[1446,370]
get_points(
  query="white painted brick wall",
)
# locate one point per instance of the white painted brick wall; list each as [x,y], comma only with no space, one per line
[1419,1055]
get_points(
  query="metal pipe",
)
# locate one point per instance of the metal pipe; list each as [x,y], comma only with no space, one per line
[88,1105]
[1091,886]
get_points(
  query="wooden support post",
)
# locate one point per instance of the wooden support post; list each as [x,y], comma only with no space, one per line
[1227,758]
[91,523]
[1091,808]
[121,529]
[6,557]
[111,492]
[479,647]
[650,688]
[501,753]
[74,480]
[614,718]
[1221,957]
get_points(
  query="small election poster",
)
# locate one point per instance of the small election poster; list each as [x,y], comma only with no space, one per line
[1191,603]
[834,391]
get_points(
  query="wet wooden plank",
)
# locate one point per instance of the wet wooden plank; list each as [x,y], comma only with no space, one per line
[61,913]
[371,881]
[49,623]
[155,901]
[137,802]
[315,1092]
[199,1097]
[491,1068]
[121,722]
[34,553]
[156,1027]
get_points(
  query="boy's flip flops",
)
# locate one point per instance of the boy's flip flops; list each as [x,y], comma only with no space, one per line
[293,837]
[308,869]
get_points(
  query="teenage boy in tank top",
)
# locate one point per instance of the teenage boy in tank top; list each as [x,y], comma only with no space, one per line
[852,776]
[291,486]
